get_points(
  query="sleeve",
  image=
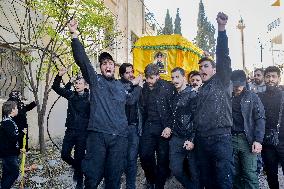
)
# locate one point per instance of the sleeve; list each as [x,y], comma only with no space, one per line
[142,106]
[83,61]
[223,61]
[192,109]
[59,90]
[133,97]
[170,97]
[30,106]
[259,119]
[68,86]
[10,131]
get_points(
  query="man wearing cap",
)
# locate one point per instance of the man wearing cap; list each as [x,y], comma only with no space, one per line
[107,130]
[213,117]
[247,132]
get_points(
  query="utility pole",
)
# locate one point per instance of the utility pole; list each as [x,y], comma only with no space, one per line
[261,52]
[241,26]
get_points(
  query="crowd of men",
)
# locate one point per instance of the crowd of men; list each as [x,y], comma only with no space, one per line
[207,129]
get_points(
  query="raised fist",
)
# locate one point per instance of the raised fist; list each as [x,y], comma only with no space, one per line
[222,18]
[72,25]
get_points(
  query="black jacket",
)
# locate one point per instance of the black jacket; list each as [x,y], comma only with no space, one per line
[9,138]
[254,117]
[184,105]
[271,100]
[133,113]
[108,97]
[214,108]
[78,111]
[164,101]
[21,118]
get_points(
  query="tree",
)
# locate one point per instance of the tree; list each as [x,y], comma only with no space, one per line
[205,32]
[177,23]
[42,41]
[168,28]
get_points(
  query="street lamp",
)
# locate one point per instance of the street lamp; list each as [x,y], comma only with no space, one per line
[241,26]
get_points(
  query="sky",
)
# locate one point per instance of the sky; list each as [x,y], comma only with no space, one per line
[257,14]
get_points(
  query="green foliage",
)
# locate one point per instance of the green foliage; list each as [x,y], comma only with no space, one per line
[168,28]
[177,23]
[205,32]
[96,26]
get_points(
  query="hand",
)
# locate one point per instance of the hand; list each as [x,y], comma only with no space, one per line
[72,79]
[256,147]
[166,132]
[72,25]
[25,130]
[137,80]
[23,150]
[222,19]
[188,145]
[62,71]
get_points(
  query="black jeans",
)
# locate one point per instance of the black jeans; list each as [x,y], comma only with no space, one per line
[183,164]
[271,157]
[132,153]
[77,139]
[215,160]
[105,157]
[154,155]
[10,171]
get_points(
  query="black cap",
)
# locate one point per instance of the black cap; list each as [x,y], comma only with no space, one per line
[238,78]
[103,56]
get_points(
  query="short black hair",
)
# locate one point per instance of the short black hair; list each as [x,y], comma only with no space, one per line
[207,59]
[104,56]
[193,73]
[79,77]
[259,69]
[122,68]
[151,69]
[272,69]
[181,71]
[8,107]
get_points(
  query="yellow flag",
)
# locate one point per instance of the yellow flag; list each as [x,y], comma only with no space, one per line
[168,52]
[276,3]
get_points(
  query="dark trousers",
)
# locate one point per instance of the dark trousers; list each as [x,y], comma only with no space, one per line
[105,157]
[74,139]
[183,164]
[215,160]
[10,171]
[271,157]
[154,155]
[132,153]
[245,163]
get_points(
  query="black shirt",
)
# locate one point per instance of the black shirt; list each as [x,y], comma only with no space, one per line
[131,111]
[238,120]
[271,100]
[152,113]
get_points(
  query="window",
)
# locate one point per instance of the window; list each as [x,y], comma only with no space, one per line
[11,72]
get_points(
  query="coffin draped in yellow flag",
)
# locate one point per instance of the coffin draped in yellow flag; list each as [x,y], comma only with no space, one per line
[168,52]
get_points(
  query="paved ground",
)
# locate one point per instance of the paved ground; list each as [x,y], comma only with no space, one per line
[53,173]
